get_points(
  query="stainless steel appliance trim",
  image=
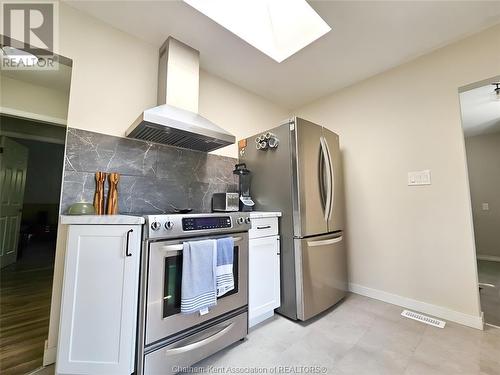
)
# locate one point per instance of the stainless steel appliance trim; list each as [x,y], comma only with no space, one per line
[312,220]
[323,273]
[278,165]
[181,246]
[141,324]
[157,328]
[324,242]
[326,160]
[178,337]
[195,345]
[203,342]
[295,178]
[238,224]
[331,180]
[299,278]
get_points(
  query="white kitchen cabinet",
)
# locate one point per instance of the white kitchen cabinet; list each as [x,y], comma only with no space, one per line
[264,268]
[99,300]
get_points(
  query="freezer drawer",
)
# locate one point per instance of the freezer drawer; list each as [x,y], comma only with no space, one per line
[173,358]
[322,273]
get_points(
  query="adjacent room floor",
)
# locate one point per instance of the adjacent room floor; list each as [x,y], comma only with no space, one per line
[489,275]
[25,289]
[360,336]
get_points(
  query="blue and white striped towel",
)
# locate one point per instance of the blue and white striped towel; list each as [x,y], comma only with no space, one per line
[198,285]
[224,270]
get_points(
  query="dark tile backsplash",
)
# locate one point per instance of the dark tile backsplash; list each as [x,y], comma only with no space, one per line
[154,178]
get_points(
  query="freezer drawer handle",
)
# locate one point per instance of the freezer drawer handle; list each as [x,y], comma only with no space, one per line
[179,247]
[199,344]
[324,242]
[265,227]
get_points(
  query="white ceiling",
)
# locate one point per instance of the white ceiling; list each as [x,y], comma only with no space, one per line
[480,111]
[368,37]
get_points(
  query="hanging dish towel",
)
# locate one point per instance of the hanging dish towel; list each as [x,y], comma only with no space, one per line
[224,271]
[198,285]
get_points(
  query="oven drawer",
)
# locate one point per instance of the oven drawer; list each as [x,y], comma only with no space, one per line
[263,227]
[186,352]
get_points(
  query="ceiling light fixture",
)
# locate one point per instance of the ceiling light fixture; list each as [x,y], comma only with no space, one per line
[497,90]
[278,28]
[19,57]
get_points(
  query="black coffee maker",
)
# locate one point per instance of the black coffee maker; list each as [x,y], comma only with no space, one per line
[245,177]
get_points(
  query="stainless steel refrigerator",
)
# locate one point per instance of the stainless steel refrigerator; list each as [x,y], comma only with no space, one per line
[302,178]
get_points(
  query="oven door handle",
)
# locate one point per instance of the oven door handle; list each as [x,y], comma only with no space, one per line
[199,344]
[179,247]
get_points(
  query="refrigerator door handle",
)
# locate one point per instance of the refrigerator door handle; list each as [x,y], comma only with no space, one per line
[325,242]
[326,161]
[321,177]
[331,185]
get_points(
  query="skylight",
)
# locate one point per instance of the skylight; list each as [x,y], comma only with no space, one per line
[278,28]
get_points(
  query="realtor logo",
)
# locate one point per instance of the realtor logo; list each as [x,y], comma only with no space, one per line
[28,34]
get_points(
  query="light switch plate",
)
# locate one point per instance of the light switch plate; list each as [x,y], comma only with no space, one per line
[419,178]
[485,206]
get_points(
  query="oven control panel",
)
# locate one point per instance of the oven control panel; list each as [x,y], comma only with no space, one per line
[182,225]
[199,223]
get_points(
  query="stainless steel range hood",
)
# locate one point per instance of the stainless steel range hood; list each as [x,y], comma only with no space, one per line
[175,121]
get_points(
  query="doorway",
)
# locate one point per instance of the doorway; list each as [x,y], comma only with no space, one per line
[480,107]
[33,113]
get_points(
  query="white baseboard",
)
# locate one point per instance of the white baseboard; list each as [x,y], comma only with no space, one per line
[419,306]
[493,258]
[49,355]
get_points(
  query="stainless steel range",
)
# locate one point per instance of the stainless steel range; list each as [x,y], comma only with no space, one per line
[167,339]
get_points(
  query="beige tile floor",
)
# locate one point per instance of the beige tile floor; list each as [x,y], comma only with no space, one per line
[360,336]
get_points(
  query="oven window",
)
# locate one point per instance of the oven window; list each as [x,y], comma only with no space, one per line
[172,287]
[173,279]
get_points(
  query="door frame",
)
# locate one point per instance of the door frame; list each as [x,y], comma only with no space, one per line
[50,350]
[462,89]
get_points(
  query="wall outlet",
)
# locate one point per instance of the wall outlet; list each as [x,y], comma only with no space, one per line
[419,178]
[485,206]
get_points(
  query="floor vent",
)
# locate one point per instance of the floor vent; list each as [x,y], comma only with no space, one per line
[423,318]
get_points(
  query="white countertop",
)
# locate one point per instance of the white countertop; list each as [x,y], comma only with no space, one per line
[261,214]
[102,219]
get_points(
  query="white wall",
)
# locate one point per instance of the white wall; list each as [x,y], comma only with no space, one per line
[413,242]
[236,110]
[115,78]
[483,161]
[34,99]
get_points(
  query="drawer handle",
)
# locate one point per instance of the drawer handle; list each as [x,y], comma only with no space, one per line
[324,242]
[265,227]
[201,343]
[127,253]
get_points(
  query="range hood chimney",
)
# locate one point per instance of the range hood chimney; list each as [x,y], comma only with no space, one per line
[175,121]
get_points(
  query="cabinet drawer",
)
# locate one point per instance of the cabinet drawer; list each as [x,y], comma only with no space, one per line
[263,227]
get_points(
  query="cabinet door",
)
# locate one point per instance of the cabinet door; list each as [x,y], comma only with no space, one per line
[99,302]
[263,271]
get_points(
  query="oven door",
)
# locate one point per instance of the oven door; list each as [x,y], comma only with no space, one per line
[163,317]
